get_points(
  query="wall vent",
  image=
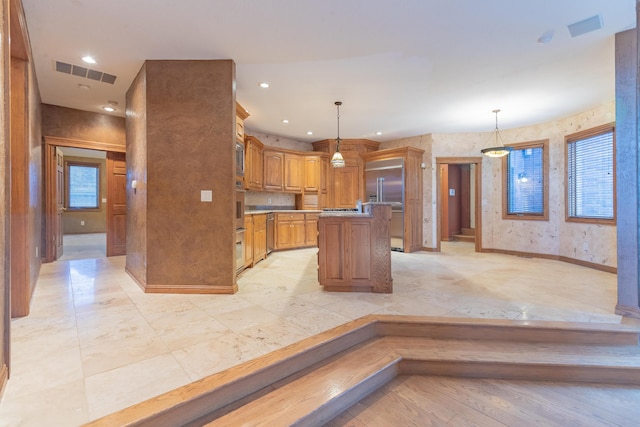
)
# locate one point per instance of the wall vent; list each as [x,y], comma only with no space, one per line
[87,73]
[585,26]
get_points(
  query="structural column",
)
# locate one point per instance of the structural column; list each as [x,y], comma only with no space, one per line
[627,166]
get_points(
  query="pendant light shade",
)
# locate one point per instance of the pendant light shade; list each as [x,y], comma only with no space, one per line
[337,161]
[499,150]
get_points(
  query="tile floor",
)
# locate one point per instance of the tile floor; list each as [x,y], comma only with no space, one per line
[95,343]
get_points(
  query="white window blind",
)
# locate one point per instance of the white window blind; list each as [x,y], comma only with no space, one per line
[590,177]
[525,182]
[83,187]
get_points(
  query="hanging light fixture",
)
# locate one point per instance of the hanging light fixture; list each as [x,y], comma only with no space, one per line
[337,161]
[499,150]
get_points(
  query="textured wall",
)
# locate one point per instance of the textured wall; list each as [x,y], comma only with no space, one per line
[188,110]
[554,237]
[278,141]
[137,170]
[82,125]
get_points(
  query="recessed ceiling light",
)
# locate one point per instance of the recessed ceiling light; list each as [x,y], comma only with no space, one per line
[378,133]
[84,86]
[285,121]
[264,85]
[309,133]
[109,108]
[546,37]
[88,60]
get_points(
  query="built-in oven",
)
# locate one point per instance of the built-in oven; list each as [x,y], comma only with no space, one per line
[239,164]
[240,248]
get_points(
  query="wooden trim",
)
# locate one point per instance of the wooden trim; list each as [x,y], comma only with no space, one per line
[241,111]
[89,145]
[181,289]
[477,161]
[600,267]
[4,377]
[97,166]
[20,45]
[609,127]
[629,311]
[50,208]
[544,144]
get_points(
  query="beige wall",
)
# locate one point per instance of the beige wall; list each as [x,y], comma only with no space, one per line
[94,221]
[555,237]
[277,141]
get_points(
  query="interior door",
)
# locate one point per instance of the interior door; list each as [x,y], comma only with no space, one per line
[58,231]
[116,204]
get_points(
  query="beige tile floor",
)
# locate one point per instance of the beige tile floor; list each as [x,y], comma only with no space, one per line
[95,343]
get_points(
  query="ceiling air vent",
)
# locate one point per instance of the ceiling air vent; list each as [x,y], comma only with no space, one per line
[585,26]
[85,72]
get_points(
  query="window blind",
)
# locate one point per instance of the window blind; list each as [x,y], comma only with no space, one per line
[83,187]
[590,173]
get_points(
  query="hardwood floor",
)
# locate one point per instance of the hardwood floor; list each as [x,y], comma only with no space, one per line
[415,400]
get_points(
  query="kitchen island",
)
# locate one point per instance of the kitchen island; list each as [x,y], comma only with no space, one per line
[354,250]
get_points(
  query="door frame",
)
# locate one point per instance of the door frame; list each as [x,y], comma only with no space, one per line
[477,161]
[51,142]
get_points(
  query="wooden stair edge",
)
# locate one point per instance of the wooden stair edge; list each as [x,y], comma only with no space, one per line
[194,400]
[527,371]
[502,329]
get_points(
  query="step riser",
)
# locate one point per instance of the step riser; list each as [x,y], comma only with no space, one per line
[522,371]
[507,333]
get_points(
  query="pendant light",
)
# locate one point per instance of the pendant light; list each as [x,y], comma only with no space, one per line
[499,150]
[337,161]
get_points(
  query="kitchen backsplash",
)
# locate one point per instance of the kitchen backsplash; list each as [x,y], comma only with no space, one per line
[276,200]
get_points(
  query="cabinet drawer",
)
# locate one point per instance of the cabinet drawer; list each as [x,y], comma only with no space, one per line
[290,217]
[312,216]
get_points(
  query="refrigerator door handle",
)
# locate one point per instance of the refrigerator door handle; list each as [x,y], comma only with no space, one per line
[381,189]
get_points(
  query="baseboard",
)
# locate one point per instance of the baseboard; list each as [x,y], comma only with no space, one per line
[425,249]
[4,377]
[600,267]
[626,310]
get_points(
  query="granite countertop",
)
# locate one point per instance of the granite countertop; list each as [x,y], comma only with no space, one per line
[265,211]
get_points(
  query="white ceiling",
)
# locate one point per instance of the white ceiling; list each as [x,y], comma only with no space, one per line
[403,68]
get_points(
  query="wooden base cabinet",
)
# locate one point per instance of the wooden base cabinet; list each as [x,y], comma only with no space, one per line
[296,230]
[259,238]
[248,241]
[354,251]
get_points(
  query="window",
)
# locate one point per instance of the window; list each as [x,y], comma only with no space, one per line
[526,181]
[82,186]
[591,184]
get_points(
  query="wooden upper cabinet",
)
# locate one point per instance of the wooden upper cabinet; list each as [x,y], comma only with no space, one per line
[273,170]
[347,186]
[312,173]
[241,116]
[293,172]
[253,171]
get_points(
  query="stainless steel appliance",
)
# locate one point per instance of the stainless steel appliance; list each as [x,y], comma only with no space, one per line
[385,183]
[271,229]
[240,248]
[239,214]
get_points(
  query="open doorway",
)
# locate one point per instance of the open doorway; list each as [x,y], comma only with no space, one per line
[458,199]
[84,213]
[85,200]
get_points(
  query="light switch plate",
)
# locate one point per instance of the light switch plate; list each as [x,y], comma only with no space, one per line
[452,191]
[206,195]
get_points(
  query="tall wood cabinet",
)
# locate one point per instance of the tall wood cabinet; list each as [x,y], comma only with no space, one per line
[273,170]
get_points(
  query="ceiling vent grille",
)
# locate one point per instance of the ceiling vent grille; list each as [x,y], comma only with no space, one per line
[87,73]
[585,26]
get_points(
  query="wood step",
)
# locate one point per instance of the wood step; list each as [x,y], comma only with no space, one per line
[312,381]
[463,238]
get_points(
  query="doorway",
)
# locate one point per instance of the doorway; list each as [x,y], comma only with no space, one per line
[458,198]
[85,200]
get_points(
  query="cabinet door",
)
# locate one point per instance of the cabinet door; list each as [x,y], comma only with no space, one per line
[273,170]
[259,237]
[347,186]
[298,234]
[253,170]
[312,172]
[311,232]
[239,129]
[248,241]
[293,171]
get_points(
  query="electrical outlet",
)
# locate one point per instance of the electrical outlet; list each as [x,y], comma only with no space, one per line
[269,201]
[81,222]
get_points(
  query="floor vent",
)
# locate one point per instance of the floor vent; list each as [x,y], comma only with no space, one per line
[85,72]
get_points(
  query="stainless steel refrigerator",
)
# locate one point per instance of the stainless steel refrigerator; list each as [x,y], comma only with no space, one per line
[385,183]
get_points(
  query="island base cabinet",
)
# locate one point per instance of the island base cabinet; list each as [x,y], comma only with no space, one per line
[354,253]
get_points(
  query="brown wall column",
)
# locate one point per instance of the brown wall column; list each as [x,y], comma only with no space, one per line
[627,166]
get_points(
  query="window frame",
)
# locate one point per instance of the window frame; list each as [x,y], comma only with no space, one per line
[67,182]
[544,216]
[568,139]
